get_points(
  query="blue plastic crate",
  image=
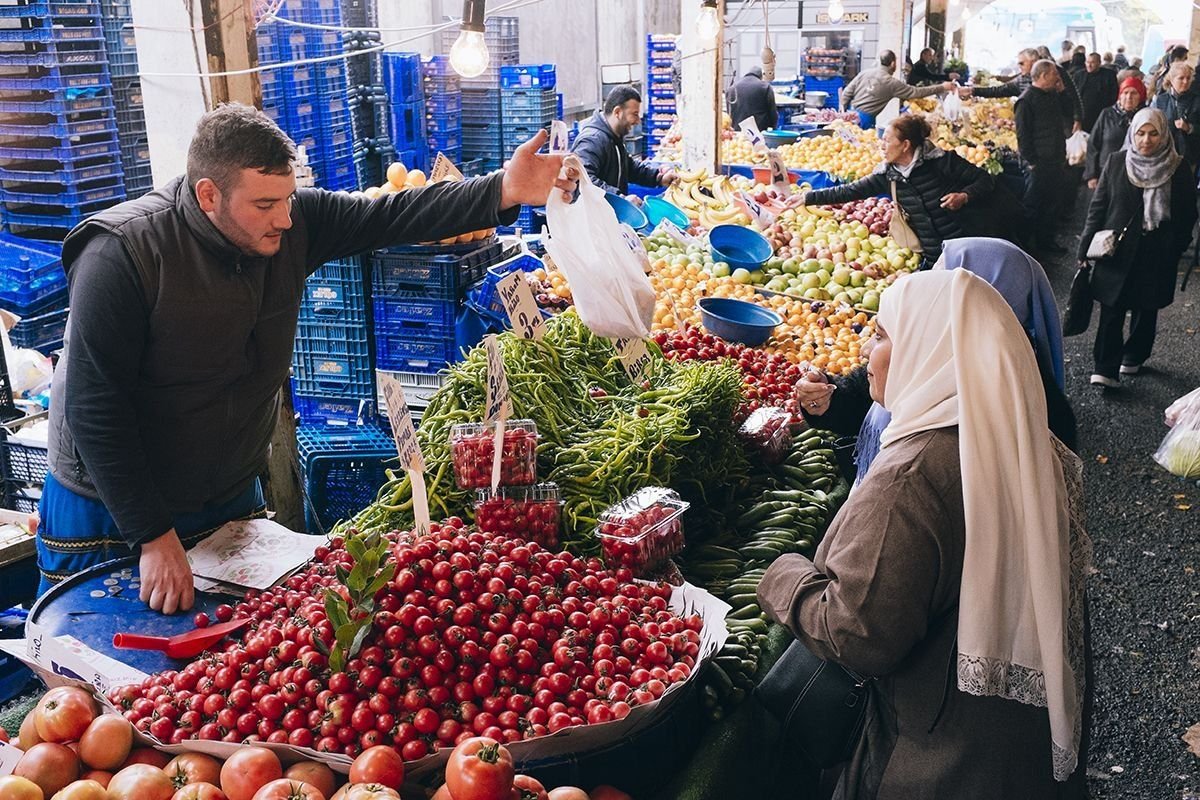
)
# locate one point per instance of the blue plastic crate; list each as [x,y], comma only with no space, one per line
[36,333]
[56,105]
[407,124]
[39,216]
[666,92]
[313,12]
[452,153]
[336,292]
[395,314]
[51,9]
[331,78]
[119,34]
[297,44]
[425,349]
[443,103]
[484,295]
[29,272]
[558,106]
[67,195]
[139,179]
[451,140]
[338,174]
[55,173]
[404,77]
[52,33]
[830,85]
[61,129]
[135,151]
[300,114]
[331,410]
[660,41]
[472,168]
[443,126]
[481,105]
[131,122]
[298,81]
[438,273]
[343,466]
[527,75]
[333,359]
[62,153]
[543,100]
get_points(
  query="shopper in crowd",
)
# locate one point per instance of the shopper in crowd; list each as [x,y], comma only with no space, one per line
[1041,141]
[183,316]
[1097,90]
[601,145]
[933,187]
[751,96]
[1072,107]
[1068,51]
[925,71]
[1180,103]
[1109,134]
[1131,72]
[1158,75]
[1147,195]
[1077,64]
[955,573]
[1108,62]
[871,90]
[1120,61]
[843,404]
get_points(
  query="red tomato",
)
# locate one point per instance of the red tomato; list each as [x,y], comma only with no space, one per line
[147,755]
[379,764]
[100,776]
[63,714]
[50,766]
[3,734]
[28,736]
[365,791]
[106,742]
[568,793]
[480,769]
[199,791]
[190,768]
[314,773]
[443,793]
[527,788]
[13,787]
[248,770]
[284,789]
[140,782]
[606,792]
[83,790]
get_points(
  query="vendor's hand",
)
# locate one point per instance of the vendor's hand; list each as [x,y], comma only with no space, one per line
[955,200]
[796,200]
[954,76]
[166,575]
[530,176]
[1093,183]
[667,177]
[965,92]
[950,86]
[813,392]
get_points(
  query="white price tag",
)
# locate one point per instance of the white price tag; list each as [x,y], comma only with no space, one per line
[750,128]
[779,173]
[409,449]
[761,216]
[635,357]
[442,167]
[634,242]
[10,754]
[559,137]
[676,233]
[522,308]
[497,402]
[847,135]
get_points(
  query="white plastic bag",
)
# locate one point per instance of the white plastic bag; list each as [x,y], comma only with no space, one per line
[1077,147]
[952,106]
[612,294]
[1179,452]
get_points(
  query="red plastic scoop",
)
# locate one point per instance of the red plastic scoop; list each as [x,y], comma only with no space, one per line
[185,645]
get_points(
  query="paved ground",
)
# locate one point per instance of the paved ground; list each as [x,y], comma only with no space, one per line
[1145,593]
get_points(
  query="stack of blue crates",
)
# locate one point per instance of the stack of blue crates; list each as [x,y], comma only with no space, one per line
[660,110]
[483,129]
[121,43]
[331,363]
[403,77]
[416,298]
[343,469]
[443,109]
[310,102]
[34,287]
[373,148]
[59,154]
[528,102]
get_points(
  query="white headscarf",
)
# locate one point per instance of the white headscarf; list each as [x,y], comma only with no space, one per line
[959,357]
[1152,174]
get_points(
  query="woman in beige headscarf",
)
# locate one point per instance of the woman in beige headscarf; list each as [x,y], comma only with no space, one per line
[954,574]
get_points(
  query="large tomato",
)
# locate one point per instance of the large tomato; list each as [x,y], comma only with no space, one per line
[315,773]
[199,791]
[365,791]
[606,792]
[284,789]
[3,734]
[63,714]
[378,764]
[568,793]
[100,776]
[146,755]
[140,782]
[106,742]
[82,790]
[27,736]
[527,788]
[13,787]
[480,769]
[191,768]
[50,766]
[248,770]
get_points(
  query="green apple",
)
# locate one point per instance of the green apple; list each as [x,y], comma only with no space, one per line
[810,265]
[870,301]
[791,266]
[758,277]
[720,269]
[810,281]
[842,276]
[777,284]
[842,297]
[741,275]
[858,278]
[823,275]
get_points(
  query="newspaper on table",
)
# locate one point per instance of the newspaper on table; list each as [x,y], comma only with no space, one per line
[253,553]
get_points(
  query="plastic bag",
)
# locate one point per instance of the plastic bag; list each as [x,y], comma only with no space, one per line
[1077,147]
[952,106]
[1179,452]
[612,294]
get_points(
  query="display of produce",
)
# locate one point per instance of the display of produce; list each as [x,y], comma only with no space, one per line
[708,200]
[848,155]
[824,116]
[643,530]
[532,511]
[473,448]
[984,135]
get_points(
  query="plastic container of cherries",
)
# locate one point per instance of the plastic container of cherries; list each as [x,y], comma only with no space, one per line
[533,513]
[643,530]
[473,444]
[767,432]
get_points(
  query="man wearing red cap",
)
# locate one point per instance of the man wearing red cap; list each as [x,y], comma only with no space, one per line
[1108,134]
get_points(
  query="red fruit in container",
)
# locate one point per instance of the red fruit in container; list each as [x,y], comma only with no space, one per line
[642,530]
[532,513]
[767,432]
[473,445]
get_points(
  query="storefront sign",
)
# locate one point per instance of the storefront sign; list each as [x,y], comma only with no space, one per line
[848,18]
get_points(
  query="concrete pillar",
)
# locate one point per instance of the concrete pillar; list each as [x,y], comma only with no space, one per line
[892,29]
[699,106]
[662,16]
[173,105]
[935,24]
[409,14]
[617,26]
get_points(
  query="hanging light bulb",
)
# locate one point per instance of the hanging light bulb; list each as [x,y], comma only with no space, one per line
[469,55]
[708,23]
[836,11]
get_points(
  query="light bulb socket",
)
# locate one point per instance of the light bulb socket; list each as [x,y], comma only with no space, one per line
[473,15]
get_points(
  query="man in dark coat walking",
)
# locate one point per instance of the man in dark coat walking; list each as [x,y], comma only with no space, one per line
[751,96]
[1097,90]
[1041,140]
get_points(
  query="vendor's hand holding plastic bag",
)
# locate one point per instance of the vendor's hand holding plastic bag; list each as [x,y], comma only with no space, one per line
[952,106]
[1077,147]
[1179,452]
[611,292]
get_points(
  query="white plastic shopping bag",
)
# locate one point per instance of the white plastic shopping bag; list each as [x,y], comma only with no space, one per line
[1179,452]
[1077,146]
[952,106]
[612,294]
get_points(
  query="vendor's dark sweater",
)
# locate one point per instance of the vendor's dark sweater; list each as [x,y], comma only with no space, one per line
[606,160]
[178,343]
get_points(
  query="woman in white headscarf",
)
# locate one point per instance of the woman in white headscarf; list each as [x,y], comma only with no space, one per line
[1148,192]
[954,574]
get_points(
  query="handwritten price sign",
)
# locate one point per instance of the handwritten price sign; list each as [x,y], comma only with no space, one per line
[522,308]
[498,404]
[442,167]
[750,128]
[758,213]
[779,173]
[634,243]
[407,446]
[676,233]
[634,357]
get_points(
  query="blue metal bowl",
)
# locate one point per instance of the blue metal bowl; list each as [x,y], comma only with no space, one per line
[776,138]
[658,209]
[738,320]
[738,246]
[627,212]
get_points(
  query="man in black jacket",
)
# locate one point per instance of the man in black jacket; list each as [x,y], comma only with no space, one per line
[925,71]
[184,305]
[1041,140]
[1068,99]
[1097,90]
[751,96]
[601,145]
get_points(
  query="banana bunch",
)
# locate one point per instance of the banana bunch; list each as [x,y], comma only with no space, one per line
[706,199]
